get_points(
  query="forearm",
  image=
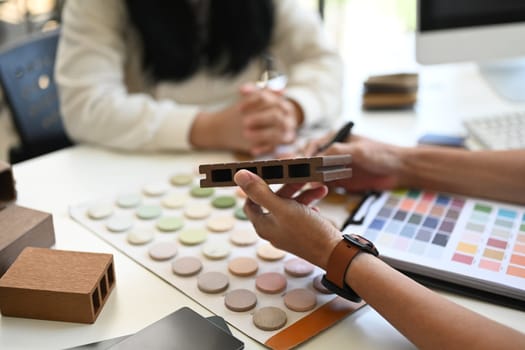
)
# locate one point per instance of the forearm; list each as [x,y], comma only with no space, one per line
[490,174]
[425,318]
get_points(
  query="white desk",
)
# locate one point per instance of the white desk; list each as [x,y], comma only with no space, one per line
[53,182]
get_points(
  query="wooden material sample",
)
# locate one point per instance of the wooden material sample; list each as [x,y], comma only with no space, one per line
[22,227]
[7,185]
[57,285]
[275,171]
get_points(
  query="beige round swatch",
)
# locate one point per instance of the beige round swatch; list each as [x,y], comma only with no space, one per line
[240,300]
[119,224]
[155,189]
[269,318]
[197,211]
[139,237]
[243,237]
[318,285]
[213,282]
[270,253]
[300,300]
[181,179]
[193,236]
[129,200]
[216,250]
[298,267]
[221,223]
[163,250]
[243,266]
[271,282]
[100,211]
[174,200]
[186,266]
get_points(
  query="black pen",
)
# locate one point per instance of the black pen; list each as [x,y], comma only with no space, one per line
[340,136]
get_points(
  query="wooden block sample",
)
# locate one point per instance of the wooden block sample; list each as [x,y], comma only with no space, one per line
[7,185]
[57,285]
[22,227]
[278,171]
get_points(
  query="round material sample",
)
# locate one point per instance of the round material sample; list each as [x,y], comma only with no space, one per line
[240,214]
[163,250]
[269,318]
[186,266]
[271,282]
[181,179]
[240,300]
[174,200]
[155,189]
[216,250]
[298,267]
[139,237]
[223,202]
[221,223]
[100,211]
[300,300]
[213,282]
[170,223]
[270,253]
[243,237]
[129,200]
[318,285]
[197,211]
[243,266]
[202,192]
[119,224]
[193,236]
[148,212]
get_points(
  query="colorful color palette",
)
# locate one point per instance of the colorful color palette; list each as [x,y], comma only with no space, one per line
[468,241]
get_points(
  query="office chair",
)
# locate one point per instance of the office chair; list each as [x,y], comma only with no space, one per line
[27,80]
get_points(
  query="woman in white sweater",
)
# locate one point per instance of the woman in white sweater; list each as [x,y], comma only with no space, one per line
[176,75]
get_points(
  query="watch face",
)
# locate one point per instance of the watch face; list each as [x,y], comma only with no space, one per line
[362,243]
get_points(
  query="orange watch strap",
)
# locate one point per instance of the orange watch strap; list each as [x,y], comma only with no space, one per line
[339,261]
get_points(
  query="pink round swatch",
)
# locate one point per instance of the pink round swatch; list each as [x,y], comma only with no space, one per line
[271,282]
[300,300]
[298,267]
[213,282]
[319,286]
[240,300]
[243,266]
[186,266]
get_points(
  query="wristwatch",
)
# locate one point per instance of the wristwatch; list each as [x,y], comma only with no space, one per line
[339,261]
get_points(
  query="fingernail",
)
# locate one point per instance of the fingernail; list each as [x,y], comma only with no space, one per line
[242,178]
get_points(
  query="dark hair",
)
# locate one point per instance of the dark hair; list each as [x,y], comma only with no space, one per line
[176,44]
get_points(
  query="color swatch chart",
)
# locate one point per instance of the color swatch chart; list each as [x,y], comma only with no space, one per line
[467,241]
[200,241]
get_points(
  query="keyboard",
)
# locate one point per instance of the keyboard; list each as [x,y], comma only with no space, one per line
[498,132]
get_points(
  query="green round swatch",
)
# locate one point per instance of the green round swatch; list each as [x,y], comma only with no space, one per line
[202,192]
[223,202]
[129,200]
[147,212]
[240,214]
[170,223]
[181,179]
[193,236]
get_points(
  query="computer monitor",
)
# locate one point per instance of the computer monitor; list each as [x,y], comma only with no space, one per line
[490,32]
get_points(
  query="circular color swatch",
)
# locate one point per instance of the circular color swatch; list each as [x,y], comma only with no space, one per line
[240,214]
[163,250]
[240,300]
[298,267]
[155,189]
[202,192]
[271,282]
[270,253]
[212,282]
[181,179]
[119,224]
[223,202]
[174,200]
[170,223]
[319,286]
[148,212]
[216,250]
[243,237]
[129,200]
[139,237]
[193,236]
[269,318]
[221,223]
[100,211]
[243,266]
[300,300]
[197,211]
[186,266]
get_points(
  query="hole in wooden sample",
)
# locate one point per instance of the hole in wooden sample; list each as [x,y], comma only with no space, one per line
[251,169]
[299,170]
[111,277]
[96,301]
[103,288]
[221,175]
[272,172]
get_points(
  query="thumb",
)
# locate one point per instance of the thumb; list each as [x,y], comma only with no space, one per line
[257,190]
